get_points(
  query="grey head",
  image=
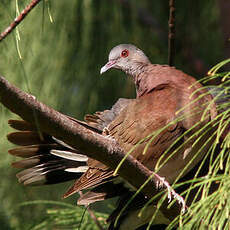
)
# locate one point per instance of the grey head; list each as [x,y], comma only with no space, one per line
[127,58]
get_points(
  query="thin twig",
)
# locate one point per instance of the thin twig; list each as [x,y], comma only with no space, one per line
[171,33]
[18,19]
[92,215]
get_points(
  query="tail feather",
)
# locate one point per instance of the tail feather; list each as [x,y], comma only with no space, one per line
[102,192]
[26,163]
[21,125]
[45,161]
[33,150]
[49,172]
[46,175]
[69,155]
[24,138]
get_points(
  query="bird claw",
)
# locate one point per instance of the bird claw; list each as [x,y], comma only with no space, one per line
[161,182]
[181,201]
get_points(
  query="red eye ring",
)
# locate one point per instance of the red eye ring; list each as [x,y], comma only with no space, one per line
[125,53]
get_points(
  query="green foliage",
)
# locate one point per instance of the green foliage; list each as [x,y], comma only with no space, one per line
[66,216]
[211,210]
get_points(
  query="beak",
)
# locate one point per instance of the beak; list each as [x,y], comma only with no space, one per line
[107,66]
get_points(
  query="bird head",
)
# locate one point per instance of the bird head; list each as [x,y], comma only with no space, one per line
[125,57]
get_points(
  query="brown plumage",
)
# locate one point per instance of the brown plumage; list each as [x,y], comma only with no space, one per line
[40,166]
[168,104]
[161,92]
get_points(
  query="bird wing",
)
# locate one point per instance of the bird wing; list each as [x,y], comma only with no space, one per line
[152,130]
[138,120]
[146,121]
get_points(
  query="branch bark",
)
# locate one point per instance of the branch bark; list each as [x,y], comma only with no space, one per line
[224,8]
[171,33]
[18,19]
[94,145]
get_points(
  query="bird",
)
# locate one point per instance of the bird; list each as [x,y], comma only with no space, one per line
[158,128]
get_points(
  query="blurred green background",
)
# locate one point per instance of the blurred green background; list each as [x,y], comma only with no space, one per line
[56,54]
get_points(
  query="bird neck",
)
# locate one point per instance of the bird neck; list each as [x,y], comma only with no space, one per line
[136,69]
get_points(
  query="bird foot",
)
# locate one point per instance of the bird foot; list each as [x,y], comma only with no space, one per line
[161,182]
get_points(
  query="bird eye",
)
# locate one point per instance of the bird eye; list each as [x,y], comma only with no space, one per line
[125,53]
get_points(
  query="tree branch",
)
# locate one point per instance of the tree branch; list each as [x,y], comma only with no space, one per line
[92,144]
[171,33]
[18,19]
